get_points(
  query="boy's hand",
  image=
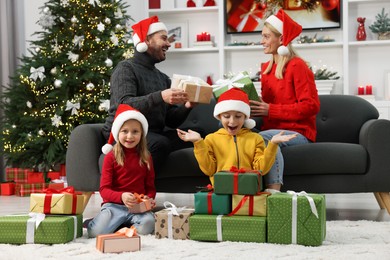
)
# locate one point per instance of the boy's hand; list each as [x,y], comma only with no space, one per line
[280,137]
[129,199]
[190,136]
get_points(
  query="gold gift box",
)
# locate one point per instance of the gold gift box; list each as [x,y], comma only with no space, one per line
[60,203]
[259,205]
[197,89]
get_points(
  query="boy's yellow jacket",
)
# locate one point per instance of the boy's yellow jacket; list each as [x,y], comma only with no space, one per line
[220,151]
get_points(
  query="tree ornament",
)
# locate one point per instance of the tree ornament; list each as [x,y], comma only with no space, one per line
[46,10]
[108,62]
[57,83]
[90,86]
[28,104]
[107,20]
[37,49]
[104,105]
[73,107]
[41,132]
[100,27]
[97,39]
[53,71]
[118,27]
[74,19]
[361,32]
[329,4]
[37,73]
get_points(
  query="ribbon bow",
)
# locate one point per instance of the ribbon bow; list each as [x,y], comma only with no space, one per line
[242,170]
[37,73]
[78,40]
[230,83]
[129,232]
[172,208]
[140,197]
[37,218]
[69,189]
[72,106]
[256,12]
[309,199]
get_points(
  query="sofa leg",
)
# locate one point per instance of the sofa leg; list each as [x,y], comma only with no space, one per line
[383,199]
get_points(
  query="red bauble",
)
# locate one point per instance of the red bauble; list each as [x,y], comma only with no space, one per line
[330,4]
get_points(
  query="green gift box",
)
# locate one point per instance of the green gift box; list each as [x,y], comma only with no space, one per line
[212,204]
[225,228]
[54,229]
[292,218]
[241,80]
[243,183]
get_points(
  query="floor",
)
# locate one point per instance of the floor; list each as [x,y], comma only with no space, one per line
[358,206]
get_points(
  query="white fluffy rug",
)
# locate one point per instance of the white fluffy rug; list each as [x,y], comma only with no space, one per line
[344,240]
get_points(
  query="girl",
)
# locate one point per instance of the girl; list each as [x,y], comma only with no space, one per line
[127,169]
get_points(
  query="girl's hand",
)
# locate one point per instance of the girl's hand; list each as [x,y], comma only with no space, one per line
[129,199]
[190,136]
[258,108]
[280,137]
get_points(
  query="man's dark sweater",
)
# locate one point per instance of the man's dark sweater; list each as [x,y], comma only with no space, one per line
[138,83]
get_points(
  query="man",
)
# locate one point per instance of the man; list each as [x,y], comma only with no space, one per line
[138,83]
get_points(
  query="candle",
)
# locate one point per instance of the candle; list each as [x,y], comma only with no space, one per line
[177,45]
[369,90]
[360,90]
[207,37]
[199,37]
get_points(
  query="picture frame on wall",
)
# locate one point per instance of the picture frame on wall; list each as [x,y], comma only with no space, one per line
[248,16]
[387,84]
[179,32]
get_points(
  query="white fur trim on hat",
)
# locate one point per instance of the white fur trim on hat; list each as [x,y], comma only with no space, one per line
[235,105]
[156,27]
[276,23]
[123,117]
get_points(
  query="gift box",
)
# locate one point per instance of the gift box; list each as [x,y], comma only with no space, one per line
[18,175]
[25,189]
[172,222]
[246,16]
[154,4]
[238,182]
[17,229]
[142,204]
[54,175]
[124,240]
[7,188]
[35,177]
[241,80]
[55,185]
[250,205]
[65,201]
[212,204]
[228,228]
[197,89]
[296,218]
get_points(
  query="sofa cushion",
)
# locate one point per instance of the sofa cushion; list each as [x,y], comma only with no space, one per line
[325,158]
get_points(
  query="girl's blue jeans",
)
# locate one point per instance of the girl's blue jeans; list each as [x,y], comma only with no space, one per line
[112,216]
[275,175]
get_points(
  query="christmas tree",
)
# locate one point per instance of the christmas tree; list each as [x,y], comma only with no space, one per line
[64,82]
[382,23]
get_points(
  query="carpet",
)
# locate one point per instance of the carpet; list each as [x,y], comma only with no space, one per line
[344,240]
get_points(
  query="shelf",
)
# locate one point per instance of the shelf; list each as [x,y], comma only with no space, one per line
[200,49]
[184,10]
[366,1]
[370,43]
[297,46]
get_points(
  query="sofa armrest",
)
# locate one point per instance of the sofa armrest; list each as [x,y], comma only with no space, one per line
[375,137]
[82,157]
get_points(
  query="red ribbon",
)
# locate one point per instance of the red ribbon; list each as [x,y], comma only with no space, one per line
[242,203]
[48,197]
[210,203]
[237,171]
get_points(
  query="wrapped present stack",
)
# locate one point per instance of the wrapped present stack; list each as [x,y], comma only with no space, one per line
[55,217]
[234,211]
[198,90]
[241,80]
[26,180]
[237,210]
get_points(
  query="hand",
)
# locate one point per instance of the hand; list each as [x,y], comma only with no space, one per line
[189,104]
[190,136]
[258,108]
[129,199]
[281,137]
[174,96]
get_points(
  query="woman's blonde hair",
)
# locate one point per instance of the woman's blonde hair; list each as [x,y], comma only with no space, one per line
[142,149]
[283,60]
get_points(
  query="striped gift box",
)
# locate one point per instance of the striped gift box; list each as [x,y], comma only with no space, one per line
[18,175]
[25,189]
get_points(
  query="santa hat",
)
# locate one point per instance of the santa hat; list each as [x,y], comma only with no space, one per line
[123,113]
[287,27]
[144,28]
[234,99]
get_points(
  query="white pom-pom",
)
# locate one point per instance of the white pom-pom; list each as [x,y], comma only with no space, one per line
[142,47]
[283,50]
[250,123]
[106,148]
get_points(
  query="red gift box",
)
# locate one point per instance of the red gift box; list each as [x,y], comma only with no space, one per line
[54,175]
[62,170]
[56,186]
[7,188]
[154,4]
[245,17]
[25,189]
[35,177]
[18,175]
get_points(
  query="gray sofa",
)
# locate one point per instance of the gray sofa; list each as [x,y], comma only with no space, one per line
[352,154]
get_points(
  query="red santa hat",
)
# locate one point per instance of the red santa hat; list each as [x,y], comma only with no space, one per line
[287,27]
[234,99]
[144,28]
[123,113]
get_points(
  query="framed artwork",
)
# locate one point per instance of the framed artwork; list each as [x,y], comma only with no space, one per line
[178,32]
[247,16]
[387,85]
